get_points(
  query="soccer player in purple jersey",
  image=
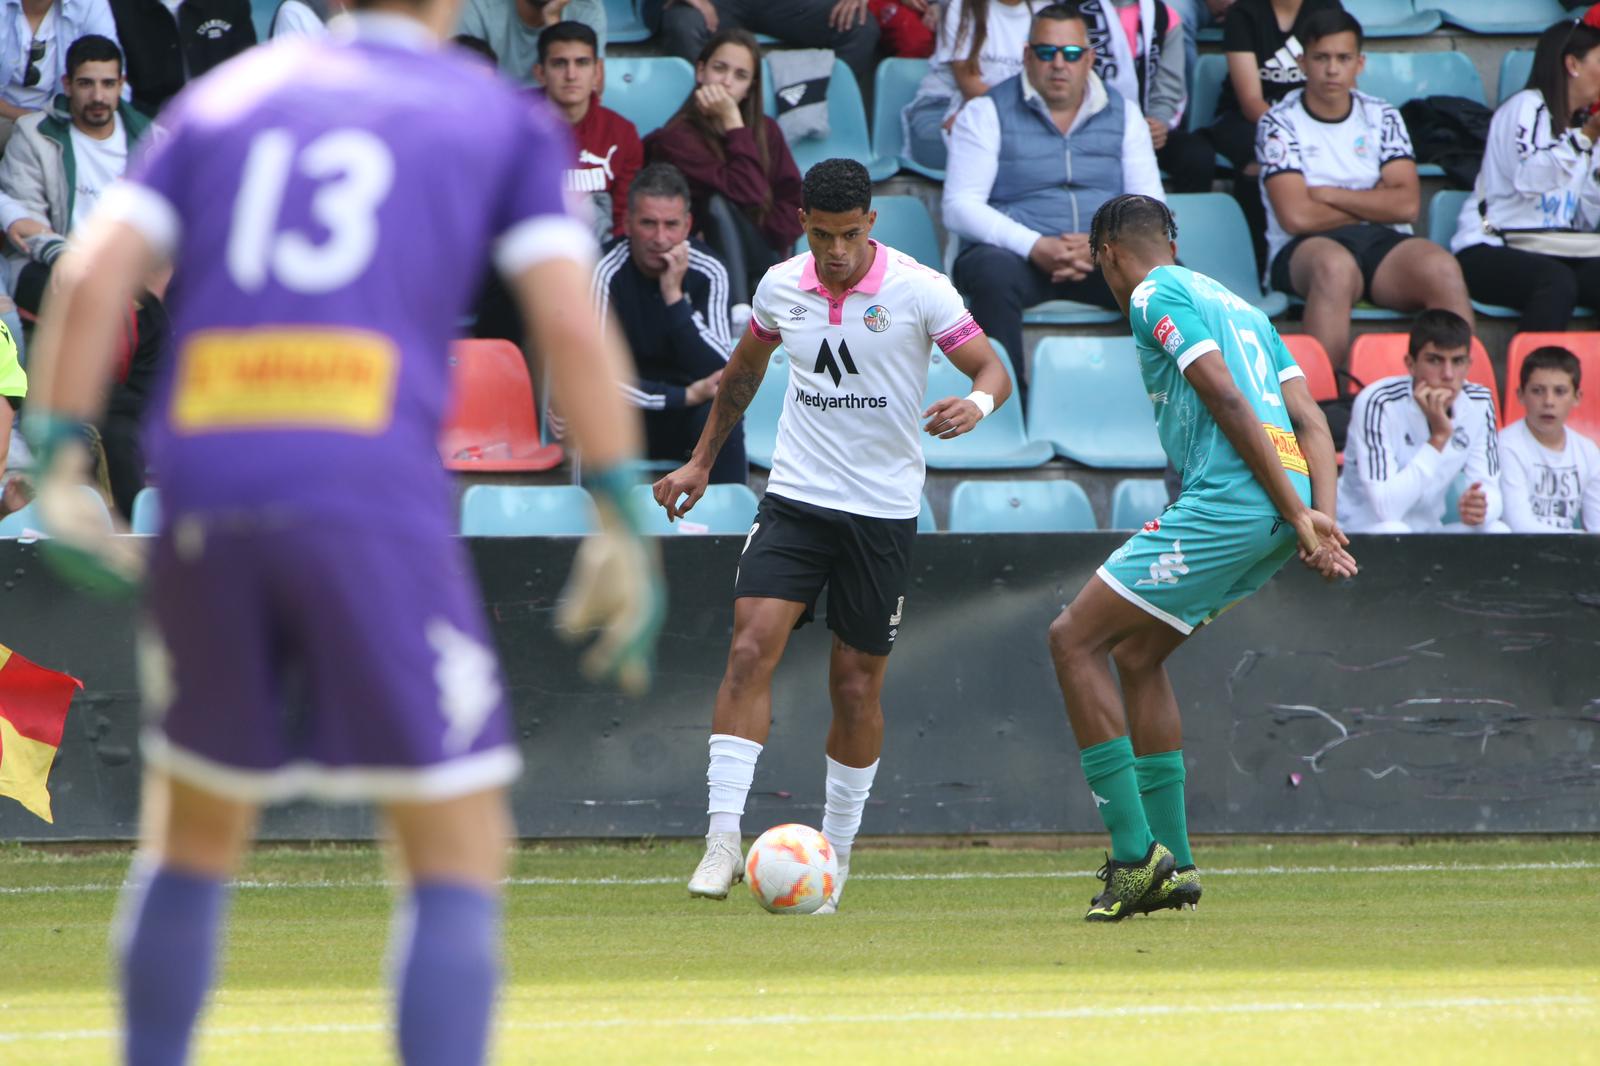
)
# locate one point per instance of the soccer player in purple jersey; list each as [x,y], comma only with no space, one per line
[328,206]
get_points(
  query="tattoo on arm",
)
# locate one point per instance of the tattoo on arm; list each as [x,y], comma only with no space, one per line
[739,384]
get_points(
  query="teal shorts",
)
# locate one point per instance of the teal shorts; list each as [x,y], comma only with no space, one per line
[1190,565]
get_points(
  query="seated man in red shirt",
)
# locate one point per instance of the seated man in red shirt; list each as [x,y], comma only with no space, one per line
[571,73]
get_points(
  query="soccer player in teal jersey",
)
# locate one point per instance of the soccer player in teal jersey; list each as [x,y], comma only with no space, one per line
[1236,418]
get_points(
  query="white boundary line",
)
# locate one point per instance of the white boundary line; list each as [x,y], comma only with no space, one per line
[910,1017]
[970,875]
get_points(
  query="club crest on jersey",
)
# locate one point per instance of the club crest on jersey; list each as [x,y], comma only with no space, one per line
[1153,526]
[1167,335]
[876,318]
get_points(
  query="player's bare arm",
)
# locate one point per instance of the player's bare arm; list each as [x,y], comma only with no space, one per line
[740,380]
[1316,444]
[1215,386]
[955,415]
[1300,212]
[1396,199]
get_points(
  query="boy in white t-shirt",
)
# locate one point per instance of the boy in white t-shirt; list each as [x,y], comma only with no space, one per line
[1549,474]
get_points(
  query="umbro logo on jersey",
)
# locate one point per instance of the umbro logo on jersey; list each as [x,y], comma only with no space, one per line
[797,311]
[826,362]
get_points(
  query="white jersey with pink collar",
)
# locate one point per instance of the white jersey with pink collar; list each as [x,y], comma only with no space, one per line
[849,435]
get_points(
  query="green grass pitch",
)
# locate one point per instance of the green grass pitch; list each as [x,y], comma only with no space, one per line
[1478,952]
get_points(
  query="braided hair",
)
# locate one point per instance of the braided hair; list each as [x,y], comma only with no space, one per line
[1134,216]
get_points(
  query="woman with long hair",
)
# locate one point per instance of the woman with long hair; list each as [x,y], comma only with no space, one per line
[980,45]
[725,146]
[1539,174]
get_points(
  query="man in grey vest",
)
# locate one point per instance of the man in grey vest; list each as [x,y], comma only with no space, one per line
[1030,163]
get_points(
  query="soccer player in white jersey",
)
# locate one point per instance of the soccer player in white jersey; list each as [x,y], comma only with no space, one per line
[1412,435]
[1550,474]
[859,321]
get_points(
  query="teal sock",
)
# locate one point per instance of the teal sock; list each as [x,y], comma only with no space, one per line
[1109,768]
[1161,788]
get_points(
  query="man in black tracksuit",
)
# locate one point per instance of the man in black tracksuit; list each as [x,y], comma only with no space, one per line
[670,294]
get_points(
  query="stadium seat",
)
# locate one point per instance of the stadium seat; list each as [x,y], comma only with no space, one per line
[1401,76]
[999,442]
[1211,230]
[726,508]
[761,417]
[1069,313]
[1136,500]
[1089,401]
[1020,507]
[1210,70]
[494,425]
[926,522]
[146,511]
[1515,66]
[1311,357]
[1444,211]
[527,511]
[647,90]
[623,25]
[1380,355]
[1394,18]
[26,521]
[895,86]
[847,125]
[1586,346]
[903,223]
[1502,16]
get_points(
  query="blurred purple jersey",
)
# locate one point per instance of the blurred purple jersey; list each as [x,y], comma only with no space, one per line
[330,206]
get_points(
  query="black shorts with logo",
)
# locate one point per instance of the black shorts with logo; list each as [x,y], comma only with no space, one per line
[796,549]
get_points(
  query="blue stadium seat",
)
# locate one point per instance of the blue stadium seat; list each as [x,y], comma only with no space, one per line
[999,442]
[1210,70]
[527,511]
[1515,66]
[895,86]
[647,90]
[623,25]
[1069,313]
[926,523]
[147,511]
[1211,234]
[20,522]
[728,508]
[1137,500]
[1089,401]
[1401,76]
[903,223]
[1502,16]
[1443,212]
[1394,18]
[761,417]
[847,125]
[1020,507]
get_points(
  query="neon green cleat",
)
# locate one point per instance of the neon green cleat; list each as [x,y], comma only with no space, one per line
[1128,884]
[1181,889]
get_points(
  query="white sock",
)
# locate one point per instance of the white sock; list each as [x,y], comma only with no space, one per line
[847,790]
[728,777]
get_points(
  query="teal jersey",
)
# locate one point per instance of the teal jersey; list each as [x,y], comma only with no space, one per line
[1178,316]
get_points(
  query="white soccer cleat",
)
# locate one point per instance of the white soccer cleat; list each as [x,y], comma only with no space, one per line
[720,869]
[831,906]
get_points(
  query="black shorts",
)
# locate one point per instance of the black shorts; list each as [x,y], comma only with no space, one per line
[1367,241]
[795,550]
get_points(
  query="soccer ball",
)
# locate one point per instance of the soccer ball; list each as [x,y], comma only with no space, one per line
[791,869]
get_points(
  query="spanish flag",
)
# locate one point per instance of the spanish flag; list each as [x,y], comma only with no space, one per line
[33,712]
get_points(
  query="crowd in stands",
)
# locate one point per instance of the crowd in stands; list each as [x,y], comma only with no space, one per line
[1031,113]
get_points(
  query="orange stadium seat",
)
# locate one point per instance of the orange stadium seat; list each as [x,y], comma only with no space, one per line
[1379,355]
[1586,346]
[1313,359]
[493,425]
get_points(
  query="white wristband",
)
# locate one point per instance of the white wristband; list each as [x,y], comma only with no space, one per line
[984,401]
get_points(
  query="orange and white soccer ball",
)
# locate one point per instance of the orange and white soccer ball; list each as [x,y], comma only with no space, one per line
[791,869]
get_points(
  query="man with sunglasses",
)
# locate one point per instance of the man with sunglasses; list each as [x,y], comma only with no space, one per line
[1030,163]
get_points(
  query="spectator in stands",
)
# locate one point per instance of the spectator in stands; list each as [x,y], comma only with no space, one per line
[726,147]
[1414,434]
[670,293]
[58,165]
[167,43]
[512,28]
[609,152]
[1341,190]
[846,26]
[1030,163]
[304,18]
[1139,52]
[980,45]
[1262,40]
[1539,174]
[1550,477]
[34,37]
